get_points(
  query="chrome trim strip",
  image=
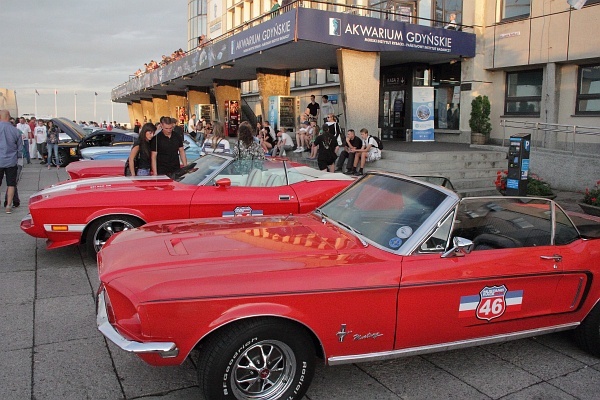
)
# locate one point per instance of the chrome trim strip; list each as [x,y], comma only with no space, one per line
[70,227]
[413,351]
[165,349]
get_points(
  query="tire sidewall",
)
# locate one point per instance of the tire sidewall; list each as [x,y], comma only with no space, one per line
[300,345]
[93,228]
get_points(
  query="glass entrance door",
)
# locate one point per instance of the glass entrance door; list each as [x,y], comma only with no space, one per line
[393,114]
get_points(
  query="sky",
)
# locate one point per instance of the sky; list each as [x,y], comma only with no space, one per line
[77,48]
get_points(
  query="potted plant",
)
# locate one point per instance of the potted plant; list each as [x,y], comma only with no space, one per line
[480,120]
[591,200]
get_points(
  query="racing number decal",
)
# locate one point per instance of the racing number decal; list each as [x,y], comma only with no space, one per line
[492,303]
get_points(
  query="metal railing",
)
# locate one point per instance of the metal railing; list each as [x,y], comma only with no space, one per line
[575,139]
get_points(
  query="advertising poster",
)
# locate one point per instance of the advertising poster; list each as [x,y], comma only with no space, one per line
[273,111]
[423,114]
[234,117]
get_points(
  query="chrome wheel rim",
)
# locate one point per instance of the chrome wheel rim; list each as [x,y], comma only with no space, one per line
[109,228]
[263,371]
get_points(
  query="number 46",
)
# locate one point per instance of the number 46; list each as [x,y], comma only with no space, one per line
[495,307]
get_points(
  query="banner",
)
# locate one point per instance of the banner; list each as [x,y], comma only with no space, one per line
[423,114]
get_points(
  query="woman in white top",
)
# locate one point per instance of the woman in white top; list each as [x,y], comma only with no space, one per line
[217,142]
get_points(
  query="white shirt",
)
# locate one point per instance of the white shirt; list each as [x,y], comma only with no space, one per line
[326,109]
[40,134]
[286,139]
[25,130]
[191,125]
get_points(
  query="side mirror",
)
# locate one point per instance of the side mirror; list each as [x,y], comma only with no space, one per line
[223,183]
[461,247]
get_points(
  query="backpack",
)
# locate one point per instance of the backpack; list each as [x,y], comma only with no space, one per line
[378,141]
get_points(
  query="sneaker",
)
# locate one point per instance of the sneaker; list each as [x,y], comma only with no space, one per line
[8,210]
[358,173]
[349,172]
[299,150]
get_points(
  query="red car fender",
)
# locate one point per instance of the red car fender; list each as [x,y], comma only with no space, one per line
[114,211]
[257,310]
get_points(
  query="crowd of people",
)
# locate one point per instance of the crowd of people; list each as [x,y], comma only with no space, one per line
[152,65]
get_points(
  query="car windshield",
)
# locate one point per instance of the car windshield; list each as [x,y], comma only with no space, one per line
[197,172]
[385,210]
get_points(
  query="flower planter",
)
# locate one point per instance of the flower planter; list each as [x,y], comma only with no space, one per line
[590,209]
[478,138]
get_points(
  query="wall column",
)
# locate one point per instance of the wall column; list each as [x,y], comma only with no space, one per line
[175,100]
[161,108]
[225,90]
[359,70]
[136,112]
[148,111]
[271,82]
[197,96]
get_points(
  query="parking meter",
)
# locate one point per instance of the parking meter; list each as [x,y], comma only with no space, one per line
[518,164]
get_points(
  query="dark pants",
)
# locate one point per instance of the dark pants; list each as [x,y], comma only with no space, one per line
[343,156]
[26,151]
[16,202]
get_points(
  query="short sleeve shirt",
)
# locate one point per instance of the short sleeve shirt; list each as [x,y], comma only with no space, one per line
[313,108]
[167,152]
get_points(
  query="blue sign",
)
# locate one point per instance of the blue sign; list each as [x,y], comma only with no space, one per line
[377,34]
[512,184]
[423,114]
[274,32]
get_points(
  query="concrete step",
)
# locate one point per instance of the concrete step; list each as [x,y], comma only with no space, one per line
[442,156]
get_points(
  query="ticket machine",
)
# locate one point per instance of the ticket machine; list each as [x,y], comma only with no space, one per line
[518,164]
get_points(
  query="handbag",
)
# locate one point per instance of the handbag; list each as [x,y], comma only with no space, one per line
[127,172]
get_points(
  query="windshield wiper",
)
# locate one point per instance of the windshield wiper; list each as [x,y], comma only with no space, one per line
[356,233]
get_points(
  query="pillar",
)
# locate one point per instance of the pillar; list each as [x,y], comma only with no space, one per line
[161,108]
[130,113]
[148,111]
[359,84]
[135,112]
[197,96]
[271,82]
[175,101]
[225,90]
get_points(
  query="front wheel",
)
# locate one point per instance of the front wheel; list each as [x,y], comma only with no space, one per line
[261,359]
[102,229]
[63,157]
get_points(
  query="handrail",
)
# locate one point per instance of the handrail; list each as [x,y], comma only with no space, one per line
[557,136]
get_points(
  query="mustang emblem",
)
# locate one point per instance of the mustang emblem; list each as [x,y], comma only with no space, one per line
[342,333]
[492,303]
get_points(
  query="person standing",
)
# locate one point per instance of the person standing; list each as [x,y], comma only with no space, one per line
[246,147]
[10,149]
[139,157]
[192,126]
[41,134]
[327,148]
[326,108]
[25,130]
[137,126]
[312,109]
[32,146]
[52,144]
[167,149]
[216,143]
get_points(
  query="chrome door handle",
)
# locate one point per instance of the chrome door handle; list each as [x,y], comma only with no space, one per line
[285,197]
[556,258]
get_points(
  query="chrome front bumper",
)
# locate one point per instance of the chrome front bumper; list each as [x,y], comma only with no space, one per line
[164,349]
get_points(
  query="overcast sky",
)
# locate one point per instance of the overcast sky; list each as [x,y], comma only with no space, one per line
[82,47]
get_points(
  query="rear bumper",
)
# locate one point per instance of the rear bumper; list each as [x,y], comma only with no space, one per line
[164,349]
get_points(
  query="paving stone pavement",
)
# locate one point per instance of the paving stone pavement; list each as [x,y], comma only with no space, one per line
[53,350]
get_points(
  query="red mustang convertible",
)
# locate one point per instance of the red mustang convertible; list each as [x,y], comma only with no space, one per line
[91,210]
[390,267]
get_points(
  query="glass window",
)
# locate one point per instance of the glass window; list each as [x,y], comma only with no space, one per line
[523,92]
[312,77]
[446,82]
[515,8]
[588,90]
[443,11]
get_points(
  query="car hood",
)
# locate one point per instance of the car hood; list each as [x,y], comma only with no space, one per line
[224,257]
[105,184]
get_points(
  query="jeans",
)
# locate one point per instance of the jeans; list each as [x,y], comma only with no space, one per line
[26,151]
[53,148]
[143,172]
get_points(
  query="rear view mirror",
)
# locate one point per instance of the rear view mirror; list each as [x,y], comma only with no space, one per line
[223,182]
[460,247]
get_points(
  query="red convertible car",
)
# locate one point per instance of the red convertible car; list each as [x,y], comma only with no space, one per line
[95,168]
[91,210]
[390,267]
